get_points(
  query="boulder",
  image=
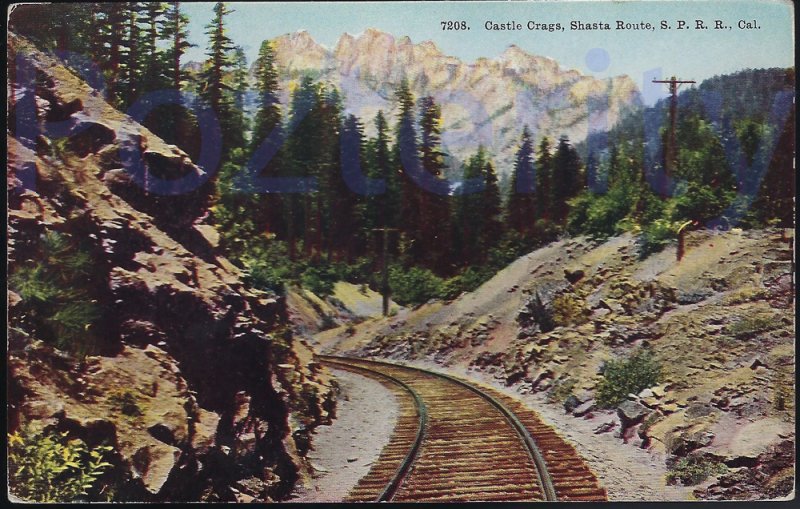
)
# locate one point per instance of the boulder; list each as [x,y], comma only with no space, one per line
[646,393]
[612,305]
[687,442]
[631,413]
[605,427]
[573,276]
[571,403]
[89,136]
[584,408]
[153,463]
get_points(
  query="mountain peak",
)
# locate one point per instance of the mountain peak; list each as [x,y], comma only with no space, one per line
[300,39]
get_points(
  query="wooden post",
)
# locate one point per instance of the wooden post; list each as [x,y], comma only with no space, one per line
[385,290]
[682,239]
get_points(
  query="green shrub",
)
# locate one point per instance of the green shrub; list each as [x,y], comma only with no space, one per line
[629,376]
[319,280]
[361,271]
[415,285]
[126,402]
[267,278]
[693,470]
[474,277]
[56,285]
[47,467]
[750,326]
[568,309]
[561,390]
[699,202]
[601,216]
[655,237]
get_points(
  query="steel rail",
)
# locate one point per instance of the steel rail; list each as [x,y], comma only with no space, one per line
[422,412]
[543,476]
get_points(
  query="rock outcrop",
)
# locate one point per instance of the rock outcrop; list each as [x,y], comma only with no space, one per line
[185,383]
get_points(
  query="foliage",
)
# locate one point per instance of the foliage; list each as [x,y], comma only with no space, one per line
[568,309]
[656,236]
[561,390]
[700,202]
[49,467]
[126,402]
[55,285]
[750,326]
[693,470]
[319,280]
[415,285]
[627,376]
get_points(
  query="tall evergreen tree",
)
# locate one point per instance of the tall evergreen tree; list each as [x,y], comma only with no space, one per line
[214,88]
[177,36]
[405,158]
[521,211]
[566,179]
[130,72]
[111,27]
[303,153]
[434,232]
[268,130]
[544,180]
[776,199]
[347,232]
[153,64]
[478,215]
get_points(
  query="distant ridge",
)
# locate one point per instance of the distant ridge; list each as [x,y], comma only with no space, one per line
[486,102]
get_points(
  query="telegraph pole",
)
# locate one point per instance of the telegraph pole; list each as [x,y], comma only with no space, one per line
[385,290]
[671,151]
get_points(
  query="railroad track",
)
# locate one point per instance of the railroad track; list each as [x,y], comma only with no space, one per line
[457,442]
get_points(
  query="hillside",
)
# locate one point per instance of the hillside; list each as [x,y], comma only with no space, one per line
[485,102]
[720,323]
[128,330]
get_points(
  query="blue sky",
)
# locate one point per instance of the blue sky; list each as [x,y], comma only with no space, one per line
[689,54]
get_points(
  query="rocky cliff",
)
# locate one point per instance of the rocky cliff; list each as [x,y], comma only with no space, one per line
[485,102]
[193,379]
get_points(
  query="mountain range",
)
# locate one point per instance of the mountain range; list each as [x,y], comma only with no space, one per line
[484,102]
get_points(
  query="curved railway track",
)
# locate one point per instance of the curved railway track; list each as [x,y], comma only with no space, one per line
[455,441]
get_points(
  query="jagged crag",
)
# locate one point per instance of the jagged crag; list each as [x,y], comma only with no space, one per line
[221,398]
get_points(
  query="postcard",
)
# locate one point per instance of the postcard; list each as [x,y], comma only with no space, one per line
[466,251]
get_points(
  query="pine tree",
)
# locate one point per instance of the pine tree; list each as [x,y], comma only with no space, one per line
[405,158]
[434,232]
[130,65]
[153,65]
[478,215]
[566,179]
[521,211]
[111,27]
[776,199]
[214,89]
[544,180]
[267,130]
[239,87]
[347,231]
[492,225]
[176,33]
[303,151]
